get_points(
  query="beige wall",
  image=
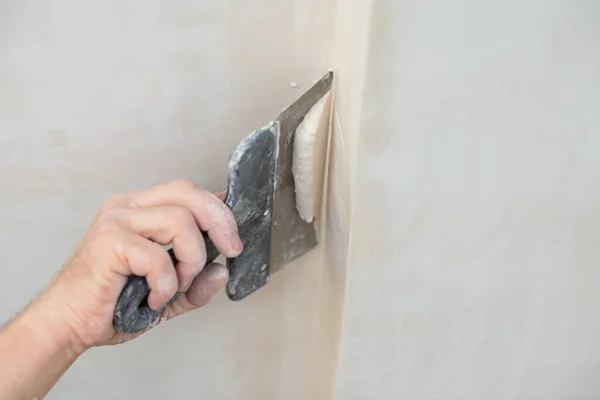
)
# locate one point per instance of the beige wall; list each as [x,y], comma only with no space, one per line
[474,255]
[460,249]
[104,97]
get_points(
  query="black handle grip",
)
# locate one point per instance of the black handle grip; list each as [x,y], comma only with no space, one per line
[132,313]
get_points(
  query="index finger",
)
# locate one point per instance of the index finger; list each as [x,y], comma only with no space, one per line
[210,213]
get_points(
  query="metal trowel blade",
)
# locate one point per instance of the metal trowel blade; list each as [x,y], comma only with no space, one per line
[261,195]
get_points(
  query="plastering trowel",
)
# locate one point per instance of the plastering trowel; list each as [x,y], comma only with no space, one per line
[274,182]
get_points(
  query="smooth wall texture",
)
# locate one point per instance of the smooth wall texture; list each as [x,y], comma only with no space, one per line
[475,227]
[461,226]
[98,98]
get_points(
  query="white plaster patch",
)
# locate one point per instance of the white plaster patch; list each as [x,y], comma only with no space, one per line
[304,160]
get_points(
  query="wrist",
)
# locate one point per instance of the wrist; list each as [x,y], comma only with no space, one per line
[35,351]
[48,331]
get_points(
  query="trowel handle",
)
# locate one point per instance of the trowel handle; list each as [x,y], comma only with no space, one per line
[132,313]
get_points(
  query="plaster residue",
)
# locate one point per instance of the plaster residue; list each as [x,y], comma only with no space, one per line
[304,159]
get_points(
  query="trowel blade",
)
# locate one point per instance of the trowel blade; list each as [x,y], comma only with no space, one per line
[261,194]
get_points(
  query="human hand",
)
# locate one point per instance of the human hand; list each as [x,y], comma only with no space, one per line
[125,239]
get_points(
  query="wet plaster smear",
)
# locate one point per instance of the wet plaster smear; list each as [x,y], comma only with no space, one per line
[461,223]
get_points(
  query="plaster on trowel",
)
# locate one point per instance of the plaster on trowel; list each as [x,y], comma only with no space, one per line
[274,191]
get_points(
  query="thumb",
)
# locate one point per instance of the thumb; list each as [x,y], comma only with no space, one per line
[209,282]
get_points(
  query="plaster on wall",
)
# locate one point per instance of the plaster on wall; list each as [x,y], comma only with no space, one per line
[461,223]
[105,97]
[473,270]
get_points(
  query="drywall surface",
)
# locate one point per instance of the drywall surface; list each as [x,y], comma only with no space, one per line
[99,98]
[350,58]
[473,269]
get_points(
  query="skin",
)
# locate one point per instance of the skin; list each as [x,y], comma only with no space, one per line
[74,313]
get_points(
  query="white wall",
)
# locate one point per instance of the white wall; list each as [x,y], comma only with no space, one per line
[103,97]
[474,256]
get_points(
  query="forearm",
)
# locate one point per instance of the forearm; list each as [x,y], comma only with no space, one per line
[35,351]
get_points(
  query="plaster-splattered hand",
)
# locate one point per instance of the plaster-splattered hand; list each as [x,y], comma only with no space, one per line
[125,238]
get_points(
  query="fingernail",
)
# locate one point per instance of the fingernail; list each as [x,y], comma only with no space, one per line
[236,246]
[220,274]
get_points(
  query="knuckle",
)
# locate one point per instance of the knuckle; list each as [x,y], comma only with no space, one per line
[131,203]
[182,218]
[163,259]
[121,244]
[112,202]
[110,219]
[184,184]
[166,284]
[108,204]
[157,260]
[108,229]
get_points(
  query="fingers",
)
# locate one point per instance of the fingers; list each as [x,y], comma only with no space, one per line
[209,282]
[175,213]
[169,224]
[221,195]
[210,213]
[149,259]
[127,237]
